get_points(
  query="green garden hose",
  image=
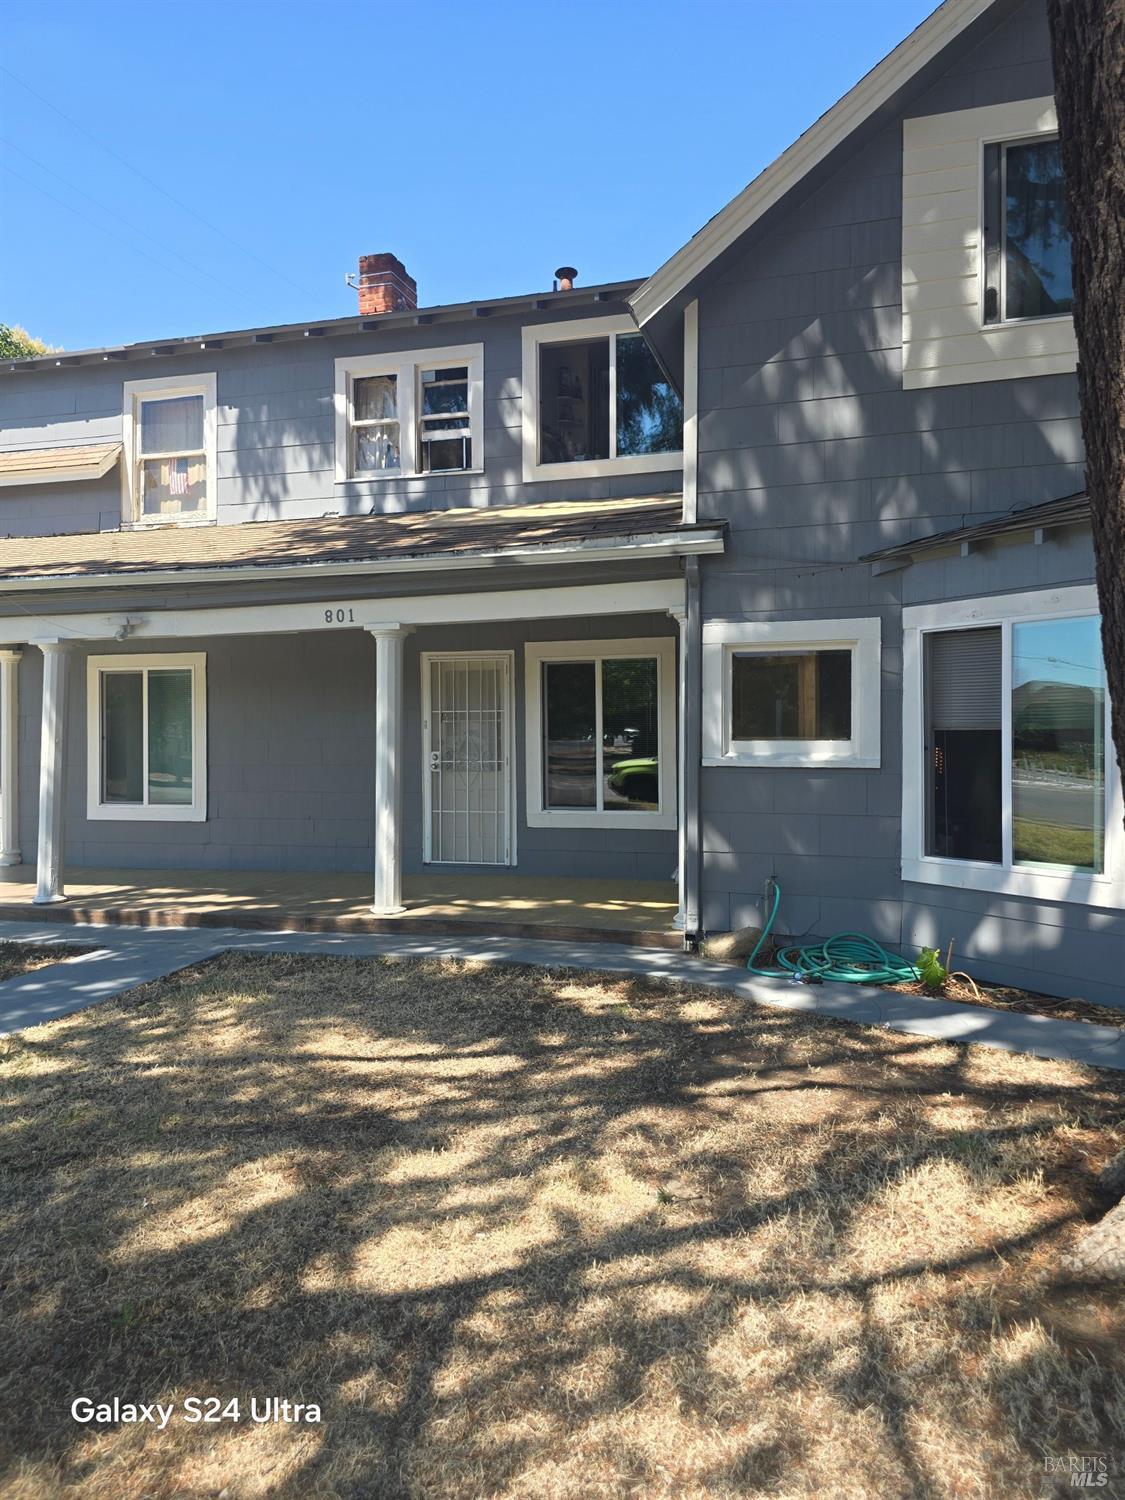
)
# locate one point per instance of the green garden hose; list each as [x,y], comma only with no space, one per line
[850,957]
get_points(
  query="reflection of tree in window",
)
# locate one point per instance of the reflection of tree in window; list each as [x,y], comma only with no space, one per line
[570,749]
[1036,232]
[650,417]
[630,735]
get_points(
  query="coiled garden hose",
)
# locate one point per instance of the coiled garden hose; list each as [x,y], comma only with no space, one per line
[850,957]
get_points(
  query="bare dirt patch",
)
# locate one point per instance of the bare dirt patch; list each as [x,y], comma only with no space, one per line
[1029,1002]
[550,1235]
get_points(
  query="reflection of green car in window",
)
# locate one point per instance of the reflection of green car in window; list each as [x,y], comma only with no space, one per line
[636,780]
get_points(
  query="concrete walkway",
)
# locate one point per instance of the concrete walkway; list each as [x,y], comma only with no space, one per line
[126,957]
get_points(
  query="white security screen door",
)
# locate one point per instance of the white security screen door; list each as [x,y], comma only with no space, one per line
[467,743]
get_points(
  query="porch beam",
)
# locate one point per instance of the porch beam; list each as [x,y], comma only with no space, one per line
[9,757]
[651,596]
[389,641]
[52,774]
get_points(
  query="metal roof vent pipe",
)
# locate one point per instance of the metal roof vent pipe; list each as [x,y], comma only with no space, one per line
[565,278]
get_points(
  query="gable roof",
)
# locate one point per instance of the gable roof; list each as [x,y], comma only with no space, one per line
[872,93]
[575,531]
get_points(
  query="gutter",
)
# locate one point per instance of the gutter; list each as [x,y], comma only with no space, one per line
[652,546]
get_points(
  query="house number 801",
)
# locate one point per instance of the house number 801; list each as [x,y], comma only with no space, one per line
[339,616]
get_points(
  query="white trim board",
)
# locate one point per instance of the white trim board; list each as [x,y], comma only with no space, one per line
[1035,881]
[663,648]
[945,340]
[578,602]
[819,141]
[723,638]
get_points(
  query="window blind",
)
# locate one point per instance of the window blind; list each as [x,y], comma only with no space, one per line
[963,678]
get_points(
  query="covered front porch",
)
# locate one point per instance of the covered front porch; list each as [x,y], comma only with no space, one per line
[640,912]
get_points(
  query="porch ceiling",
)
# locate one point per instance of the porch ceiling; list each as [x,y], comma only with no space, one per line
[416,539]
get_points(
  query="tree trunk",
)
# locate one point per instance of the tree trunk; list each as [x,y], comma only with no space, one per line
[1100,1254]
[1088,51]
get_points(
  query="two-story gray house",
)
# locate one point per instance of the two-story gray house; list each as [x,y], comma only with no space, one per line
[775,566]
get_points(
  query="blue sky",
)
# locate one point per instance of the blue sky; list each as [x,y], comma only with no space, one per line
[484,143]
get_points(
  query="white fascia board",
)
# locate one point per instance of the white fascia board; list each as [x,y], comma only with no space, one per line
[652,547]
[579,602]
[807,151]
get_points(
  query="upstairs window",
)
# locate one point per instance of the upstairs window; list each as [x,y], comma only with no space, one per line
[169,473]
[1026,231]
[596,402]
[408,414]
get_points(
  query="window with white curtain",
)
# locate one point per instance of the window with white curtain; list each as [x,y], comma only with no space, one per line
[410,412]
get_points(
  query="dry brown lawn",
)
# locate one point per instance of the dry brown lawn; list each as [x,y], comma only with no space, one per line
[542,1235]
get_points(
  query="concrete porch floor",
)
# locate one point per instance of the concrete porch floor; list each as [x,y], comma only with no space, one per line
[638,912]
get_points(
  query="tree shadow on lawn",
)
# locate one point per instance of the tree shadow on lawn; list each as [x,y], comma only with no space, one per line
[532,1233]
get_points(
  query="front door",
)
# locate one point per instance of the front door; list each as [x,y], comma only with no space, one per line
[467,743]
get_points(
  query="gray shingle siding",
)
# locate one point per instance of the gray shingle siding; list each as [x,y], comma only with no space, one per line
[276,431]
[815,454]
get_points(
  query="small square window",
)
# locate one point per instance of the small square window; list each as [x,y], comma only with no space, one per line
[1026,232]
[791,693]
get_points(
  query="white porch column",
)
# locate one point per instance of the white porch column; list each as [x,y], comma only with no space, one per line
[9,756]
[52,773]
[680,617]
[388,767]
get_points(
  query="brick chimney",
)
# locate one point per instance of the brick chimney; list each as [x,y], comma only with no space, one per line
[384,286]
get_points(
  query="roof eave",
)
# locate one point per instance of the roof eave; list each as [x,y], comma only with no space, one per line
[451,312]
[685,542]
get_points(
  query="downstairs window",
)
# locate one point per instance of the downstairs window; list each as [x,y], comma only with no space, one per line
[146,737]
[1009,782]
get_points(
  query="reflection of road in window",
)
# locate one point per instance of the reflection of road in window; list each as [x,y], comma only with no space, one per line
[1058,743]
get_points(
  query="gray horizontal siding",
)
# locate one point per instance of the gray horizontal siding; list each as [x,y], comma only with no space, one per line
[815,455]
[276,432]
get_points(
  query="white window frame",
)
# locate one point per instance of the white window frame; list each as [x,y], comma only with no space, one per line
[663,648]
[534,337]
[724,639]
[165,388]
[1046,883]
[98,667]
[406,365]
